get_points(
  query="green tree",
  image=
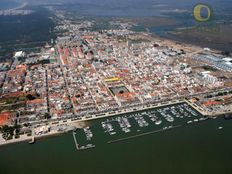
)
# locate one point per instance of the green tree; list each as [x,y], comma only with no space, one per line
[47,116]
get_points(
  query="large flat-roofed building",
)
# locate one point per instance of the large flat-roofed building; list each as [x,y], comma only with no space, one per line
[19,54]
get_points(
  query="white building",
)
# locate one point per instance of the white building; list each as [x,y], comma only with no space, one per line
[19,54]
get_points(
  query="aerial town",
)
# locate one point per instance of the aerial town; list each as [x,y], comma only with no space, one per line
[87,74]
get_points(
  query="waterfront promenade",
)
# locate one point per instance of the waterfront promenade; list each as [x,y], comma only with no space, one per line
[24,138]
[78,123]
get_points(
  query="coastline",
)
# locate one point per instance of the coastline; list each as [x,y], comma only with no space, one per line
[27,139]
[171,35]
[116,113]
[15,8]
[106,115]
[157,148]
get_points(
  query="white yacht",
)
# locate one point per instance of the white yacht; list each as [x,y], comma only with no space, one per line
[158,122]
[170,119]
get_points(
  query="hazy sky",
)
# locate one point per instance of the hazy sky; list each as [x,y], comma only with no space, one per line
[129,1]
[132,1]
[182,4]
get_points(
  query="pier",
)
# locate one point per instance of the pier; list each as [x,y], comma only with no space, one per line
[32,140]
[153,132]
[33,137]
[75,140]
[198,108]
[142,134]
[78,147]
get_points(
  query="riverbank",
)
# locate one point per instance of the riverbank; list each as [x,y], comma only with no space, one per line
[196,148]
[79,122]
[72,124]
[14,39]
[215,40]
[25,138]
[16,8]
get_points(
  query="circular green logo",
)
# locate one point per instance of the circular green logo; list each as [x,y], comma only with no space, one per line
[197,12]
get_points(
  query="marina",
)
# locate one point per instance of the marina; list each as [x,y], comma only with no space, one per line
[143,134]
[181,148]
[137,124]
[89,135]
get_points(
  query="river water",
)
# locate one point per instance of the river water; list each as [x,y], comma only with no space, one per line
[4,5]
[193,148]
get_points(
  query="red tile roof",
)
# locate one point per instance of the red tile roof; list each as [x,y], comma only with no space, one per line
[36,101]
[4,117]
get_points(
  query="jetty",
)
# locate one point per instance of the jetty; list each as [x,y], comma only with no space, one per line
[33,137]
[32,140]
[142,134]
[78,147]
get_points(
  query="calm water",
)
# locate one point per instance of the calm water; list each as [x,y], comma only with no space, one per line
[195,148]
[25,32]
[5,4]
